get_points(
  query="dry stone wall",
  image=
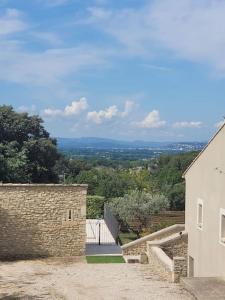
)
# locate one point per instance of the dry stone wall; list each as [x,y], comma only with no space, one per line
[177,247]
[42,220]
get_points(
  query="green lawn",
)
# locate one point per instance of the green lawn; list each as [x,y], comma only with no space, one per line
[127,237]
[105,259]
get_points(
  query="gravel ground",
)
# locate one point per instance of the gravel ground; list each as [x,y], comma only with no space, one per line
[73,280]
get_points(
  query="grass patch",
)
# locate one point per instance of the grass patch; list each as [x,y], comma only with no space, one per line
[127,237]
[105,259]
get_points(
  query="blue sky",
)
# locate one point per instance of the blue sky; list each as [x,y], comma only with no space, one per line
[131,69]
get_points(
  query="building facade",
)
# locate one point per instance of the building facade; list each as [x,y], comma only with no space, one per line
[205,210]
[42,220]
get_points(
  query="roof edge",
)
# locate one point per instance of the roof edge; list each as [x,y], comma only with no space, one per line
[41,185]
[203,150]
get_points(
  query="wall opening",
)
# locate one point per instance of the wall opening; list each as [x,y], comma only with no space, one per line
[70,215]
[190,266]
[200,214]
[222,226]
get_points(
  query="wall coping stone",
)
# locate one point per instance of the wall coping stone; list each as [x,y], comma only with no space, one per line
[167,240]
[154,235]
[42,185]
[181,258]
[163,257]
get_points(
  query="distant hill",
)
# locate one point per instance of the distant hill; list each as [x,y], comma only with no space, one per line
[103,143]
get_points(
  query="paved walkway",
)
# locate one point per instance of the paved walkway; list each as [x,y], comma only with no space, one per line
[68,280]
[103,250]
[206,288]
[92,232]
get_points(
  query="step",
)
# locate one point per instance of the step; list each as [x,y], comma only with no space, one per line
[132,259]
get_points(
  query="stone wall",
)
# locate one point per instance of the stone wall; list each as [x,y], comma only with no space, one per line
[177,247]
[177,250]
[172,250]
[158,266]
[136,249]
[42,220]
[139,246]
[179,268]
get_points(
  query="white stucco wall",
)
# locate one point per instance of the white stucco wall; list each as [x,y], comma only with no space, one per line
[206,180]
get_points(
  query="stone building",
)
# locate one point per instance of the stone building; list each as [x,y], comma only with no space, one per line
[205,210]
[38,220]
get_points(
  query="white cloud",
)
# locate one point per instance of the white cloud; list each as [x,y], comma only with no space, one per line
[129,105]
[111,112]
[220,124]
[152,120]
[190,29]
[46,67]
[51,112]
[11,22]
[194,30]
[102,115]
[75,108]
[185,124]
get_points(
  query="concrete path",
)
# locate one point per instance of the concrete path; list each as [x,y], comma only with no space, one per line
[103,250]
[205,288]
[92,232]
[69,280]
[108,245]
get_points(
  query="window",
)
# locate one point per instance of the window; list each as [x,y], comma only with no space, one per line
[222,226]
[70,215]
[200,214]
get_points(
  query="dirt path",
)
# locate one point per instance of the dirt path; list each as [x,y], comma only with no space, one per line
[60,279]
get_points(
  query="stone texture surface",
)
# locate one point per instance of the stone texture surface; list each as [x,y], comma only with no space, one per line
[136,249]
[156,265]
[42,220]
[179,268]
[176,250]
[177,247]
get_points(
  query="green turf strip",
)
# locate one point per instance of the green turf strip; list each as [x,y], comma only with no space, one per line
[105,259]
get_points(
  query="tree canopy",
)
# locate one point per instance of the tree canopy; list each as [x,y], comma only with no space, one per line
[27,153]
[135,209]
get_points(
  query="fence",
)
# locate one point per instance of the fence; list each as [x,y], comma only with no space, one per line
[111,222]
[103,231]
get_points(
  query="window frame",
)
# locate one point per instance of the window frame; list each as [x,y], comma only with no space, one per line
[221,238]
[200,225]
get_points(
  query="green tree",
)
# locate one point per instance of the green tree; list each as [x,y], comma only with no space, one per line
[27,153]
[135,209]
[95,207]
[168,170]
[89,177]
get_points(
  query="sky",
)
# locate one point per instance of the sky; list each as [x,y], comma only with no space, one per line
[129,69]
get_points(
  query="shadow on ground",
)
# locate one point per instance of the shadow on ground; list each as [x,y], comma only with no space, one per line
[18,297]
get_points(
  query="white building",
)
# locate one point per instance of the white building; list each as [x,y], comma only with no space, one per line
[205,210]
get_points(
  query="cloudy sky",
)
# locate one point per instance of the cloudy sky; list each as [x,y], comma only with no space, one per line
[129,69]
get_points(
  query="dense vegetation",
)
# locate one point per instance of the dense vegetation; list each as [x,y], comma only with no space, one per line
[134,186]
[134,209]
[27,153]
[161,175]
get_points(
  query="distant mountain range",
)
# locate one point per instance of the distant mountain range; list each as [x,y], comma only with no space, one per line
[103,143]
